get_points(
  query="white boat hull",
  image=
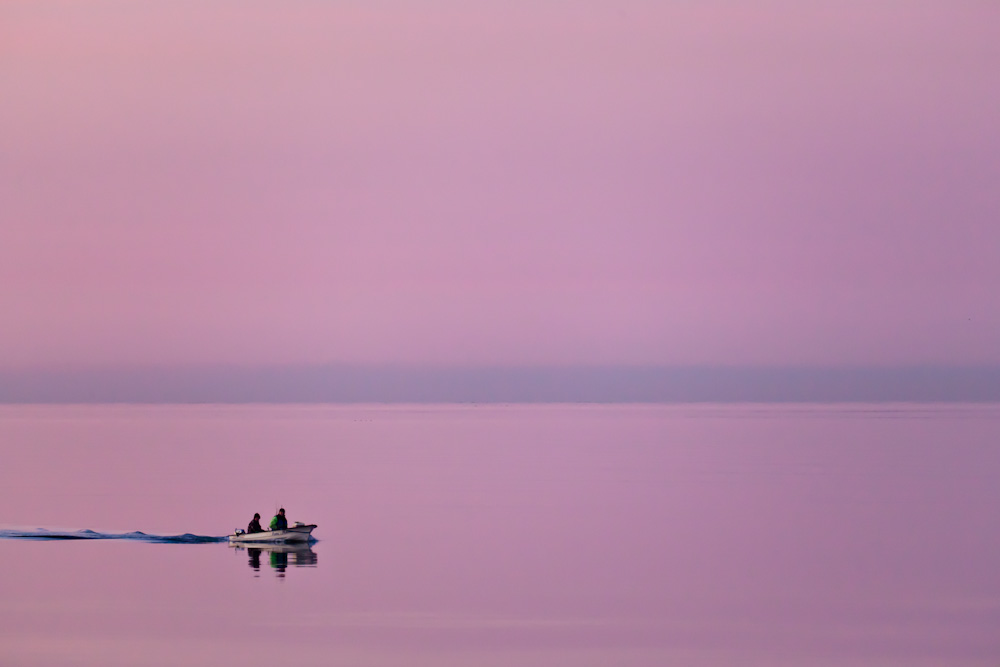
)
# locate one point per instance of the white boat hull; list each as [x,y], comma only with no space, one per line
[290,535]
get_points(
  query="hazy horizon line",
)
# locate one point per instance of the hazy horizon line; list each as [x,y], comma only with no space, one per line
[399,383]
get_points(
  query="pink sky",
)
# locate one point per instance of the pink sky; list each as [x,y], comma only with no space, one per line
[499,182]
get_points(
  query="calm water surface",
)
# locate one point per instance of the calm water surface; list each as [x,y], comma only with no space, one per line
[504,535]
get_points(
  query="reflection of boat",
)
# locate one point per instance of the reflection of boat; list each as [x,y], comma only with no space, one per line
[294,548]
[300,532]
[280,556]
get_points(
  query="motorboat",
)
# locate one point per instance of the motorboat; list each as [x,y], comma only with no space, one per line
[299,532]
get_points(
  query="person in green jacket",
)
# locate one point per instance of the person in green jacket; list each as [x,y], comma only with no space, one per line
[279,522]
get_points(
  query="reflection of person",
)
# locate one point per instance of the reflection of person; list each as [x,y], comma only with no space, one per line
[279,561]
[254,559]
[254,526]
[279,522]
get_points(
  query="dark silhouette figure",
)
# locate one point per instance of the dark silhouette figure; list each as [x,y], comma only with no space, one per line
[254,526]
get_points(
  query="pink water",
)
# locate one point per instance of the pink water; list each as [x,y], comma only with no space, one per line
[506,535]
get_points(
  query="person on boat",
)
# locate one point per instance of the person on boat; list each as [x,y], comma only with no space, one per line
[279,522]
[254,526]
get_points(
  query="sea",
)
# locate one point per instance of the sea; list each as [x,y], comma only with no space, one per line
[502,535]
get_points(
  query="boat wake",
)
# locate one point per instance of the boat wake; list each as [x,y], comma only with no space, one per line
[135,536]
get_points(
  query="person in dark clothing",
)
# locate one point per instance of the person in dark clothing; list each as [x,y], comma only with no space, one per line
[279,522]
[254,526]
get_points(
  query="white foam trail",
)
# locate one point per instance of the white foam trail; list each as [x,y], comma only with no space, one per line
[137,536]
